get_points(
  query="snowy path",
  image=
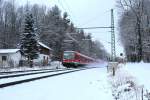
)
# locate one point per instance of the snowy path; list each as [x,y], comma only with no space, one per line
[83,85]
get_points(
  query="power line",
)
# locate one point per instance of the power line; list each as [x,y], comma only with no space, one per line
[61,4]
[93,27]
[98,31]
[93,19]
[108,42]
[69,9]
[67,5]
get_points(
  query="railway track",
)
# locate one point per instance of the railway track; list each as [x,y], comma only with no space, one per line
[11,72]
[11,80]
[30,73]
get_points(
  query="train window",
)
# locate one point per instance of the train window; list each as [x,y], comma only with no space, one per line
[68,55]
[77,56]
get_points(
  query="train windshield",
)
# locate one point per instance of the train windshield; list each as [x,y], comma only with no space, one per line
[68,55]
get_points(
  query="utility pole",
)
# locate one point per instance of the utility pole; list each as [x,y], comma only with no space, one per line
[113,48]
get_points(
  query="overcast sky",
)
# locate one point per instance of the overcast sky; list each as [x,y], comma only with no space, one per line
[88,13]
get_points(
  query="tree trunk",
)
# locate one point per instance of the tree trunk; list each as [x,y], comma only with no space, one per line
[30,61]
[140,51]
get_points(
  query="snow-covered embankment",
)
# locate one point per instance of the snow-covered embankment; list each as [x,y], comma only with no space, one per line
[124,85]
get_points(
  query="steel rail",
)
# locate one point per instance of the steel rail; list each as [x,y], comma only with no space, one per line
[3,85]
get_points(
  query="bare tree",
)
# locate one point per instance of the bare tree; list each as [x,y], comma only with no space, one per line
[132,15]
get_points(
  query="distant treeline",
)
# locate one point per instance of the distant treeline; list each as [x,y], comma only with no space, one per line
[54,29]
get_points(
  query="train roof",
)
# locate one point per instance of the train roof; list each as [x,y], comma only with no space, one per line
[81,54]
[69,51]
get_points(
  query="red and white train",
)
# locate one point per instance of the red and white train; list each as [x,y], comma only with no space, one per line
[75,59]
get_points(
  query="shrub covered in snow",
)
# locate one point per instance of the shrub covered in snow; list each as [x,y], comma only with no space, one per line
[124,85]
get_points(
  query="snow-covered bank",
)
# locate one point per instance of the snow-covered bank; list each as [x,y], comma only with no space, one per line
[124,85]
[141,71]
[131,82]
[53,65]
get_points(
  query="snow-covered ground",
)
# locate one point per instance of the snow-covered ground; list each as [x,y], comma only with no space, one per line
[54,65]
[88,84]
[12,79]
[141,71]
[131,81]
[91,84]
[124,85]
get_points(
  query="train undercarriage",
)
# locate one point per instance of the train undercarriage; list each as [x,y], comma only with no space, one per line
[73,65]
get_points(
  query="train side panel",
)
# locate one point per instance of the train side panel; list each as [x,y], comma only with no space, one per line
[75,59]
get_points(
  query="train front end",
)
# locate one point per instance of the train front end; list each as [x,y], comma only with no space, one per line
[70,59]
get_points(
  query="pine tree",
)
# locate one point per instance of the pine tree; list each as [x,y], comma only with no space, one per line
[29,41]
